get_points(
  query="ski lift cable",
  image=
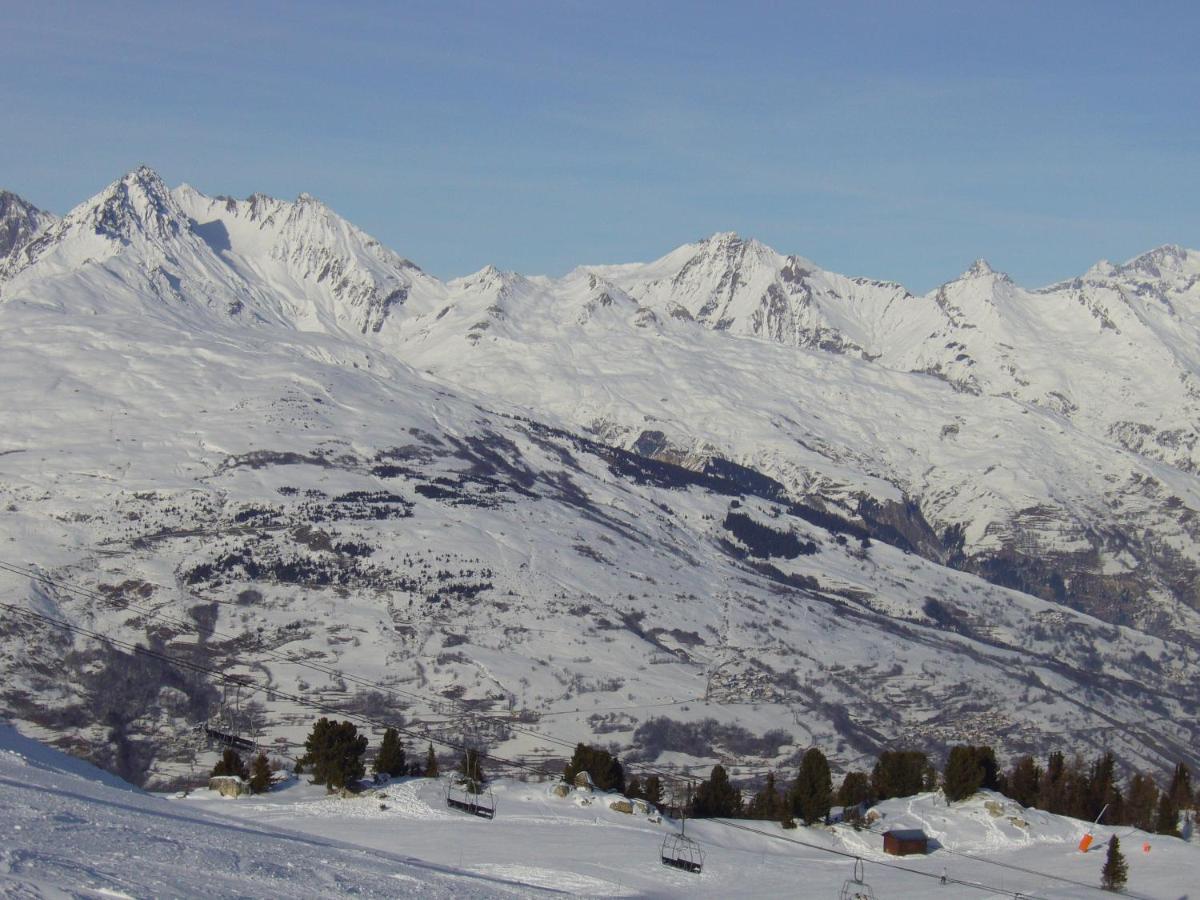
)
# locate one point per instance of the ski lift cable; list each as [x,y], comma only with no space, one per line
[634,768]
[671,777]
[967,883]
[323,708]
[977,885]
[364,682]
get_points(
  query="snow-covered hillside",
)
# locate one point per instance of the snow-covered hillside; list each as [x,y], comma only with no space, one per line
[70,830]
[67,829]
[248,437]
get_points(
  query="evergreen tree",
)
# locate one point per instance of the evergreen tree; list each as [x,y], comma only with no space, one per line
[633,788]
[1023,781]
[716,797]
[431,763]
[1115,872]
[334,752]
[855,790]
[1052,788]
[1142,802]
[390,759]
[1077,788]
[813,789]
[1166,821]
[1102,789]
[260,777]
[766,804]
[899,773]
[653,791]
[604,768]
[1181,787]
[231,764]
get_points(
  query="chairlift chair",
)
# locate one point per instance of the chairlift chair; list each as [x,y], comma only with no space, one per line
[855,888]
[469,796]
[681,852]
[222,730]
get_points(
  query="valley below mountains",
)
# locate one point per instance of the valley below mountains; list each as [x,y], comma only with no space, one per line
[722,506]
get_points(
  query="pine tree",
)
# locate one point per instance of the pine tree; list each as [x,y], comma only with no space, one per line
[899,773]
[813,789]
[1166,821]
[602,767]
[1102,789]
[431,763]
[633,788]
[390,759]
[260,778]
[1115,872]
[766,804]
[231,764]
[1142,802]
[653,791]
[854,791]
[1052,788]
[717,796]
[334,752]
[1181,787]
[1023,781]
[962,777]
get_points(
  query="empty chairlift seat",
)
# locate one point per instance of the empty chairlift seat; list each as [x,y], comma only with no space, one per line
[470,796]
[680,852]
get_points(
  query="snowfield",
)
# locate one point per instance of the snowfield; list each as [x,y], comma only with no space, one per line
[67,829]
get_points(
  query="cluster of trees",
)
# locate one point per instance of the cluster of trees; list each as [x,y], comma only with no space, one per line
[604,769]
[257,773]
[807,799]
[1067,787]
[334,756]
[1081,789]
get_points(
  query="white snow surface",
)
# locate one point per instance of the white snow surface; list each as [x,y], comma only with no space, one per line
[205,400]
[69,830]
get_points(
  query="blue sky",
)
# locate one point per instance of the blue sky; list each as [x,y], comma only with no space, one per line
[895,140]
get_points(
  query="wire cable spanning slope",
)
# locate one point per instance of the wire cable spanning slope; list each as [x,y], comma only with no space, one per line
[308,703]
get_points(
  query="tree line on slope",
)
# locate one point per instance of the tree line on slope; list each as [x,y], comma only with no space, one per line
[1072,787]
[334,754]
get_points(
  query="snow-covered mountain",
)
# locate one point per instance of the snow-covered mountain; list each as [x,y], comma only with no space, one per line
[709,507]
[20,222]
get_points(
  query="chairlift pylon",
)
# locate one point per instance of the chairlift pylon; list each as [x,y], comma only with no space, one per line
[855,888]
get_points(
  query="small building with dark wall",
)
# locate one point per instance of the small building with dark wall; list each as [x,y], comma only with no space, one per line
[905,841]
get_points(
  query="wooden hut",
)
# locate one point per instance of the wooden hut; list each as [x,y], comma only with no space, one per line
[905,841]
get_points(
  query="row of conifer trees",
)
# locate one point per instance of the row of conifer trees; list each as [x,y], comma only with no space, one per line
[1072,787]
[334,753]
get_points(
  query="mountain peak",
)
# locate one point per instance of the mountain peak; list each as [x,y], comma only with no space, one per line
[1167,258]
[20,222]
[139,201]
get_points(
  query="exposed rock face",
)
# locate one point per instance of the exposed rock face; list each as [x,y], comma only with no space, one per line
[20,223]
